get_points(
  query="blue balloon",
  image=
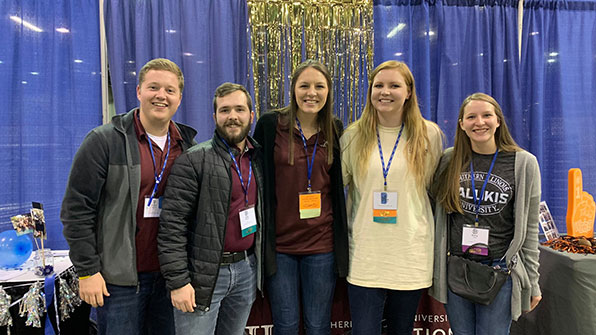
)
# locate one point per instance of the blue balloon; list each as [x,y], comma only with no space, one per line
[14,249]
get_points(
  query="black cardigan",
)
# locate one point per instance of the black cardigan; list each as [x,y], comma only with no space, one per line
[264,133]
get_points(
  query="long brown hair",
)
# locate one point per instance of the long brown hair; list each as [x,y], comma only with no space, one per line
[448,193]
[415,126]
[324,116]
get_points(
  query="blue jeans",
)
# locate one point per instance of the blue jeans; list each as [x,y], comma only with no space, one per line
[131,310]
[311,277]
[367,305]
[233,296]
[468,318]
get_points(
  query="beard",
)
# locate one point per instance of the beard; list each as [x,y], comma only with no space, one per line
[233,139]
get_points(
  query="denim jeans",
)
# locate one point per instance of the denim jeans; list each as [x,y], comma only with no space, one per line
[367,305]
[233,296]
[137,311]
[310,277]
[468,318]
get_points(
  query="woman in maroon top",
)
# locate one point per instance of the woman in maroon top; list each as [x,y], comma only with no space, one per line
[306,241]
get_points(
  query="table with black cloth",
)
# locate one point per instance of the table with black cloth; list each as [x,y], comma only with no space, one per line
[78,323]
[568,306]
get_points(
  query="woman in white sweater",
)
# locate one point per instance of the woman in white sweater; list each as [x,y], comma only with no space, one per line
[388,158]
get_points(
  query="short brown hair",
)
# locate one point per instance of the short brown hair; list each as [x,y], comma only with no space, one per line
[227,88]
[162,64]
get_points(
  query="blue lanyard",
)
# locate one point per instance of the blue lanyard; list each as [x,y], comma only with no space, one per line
[309,163]
[244,189]
[163,168]
[478,201]
[386,170]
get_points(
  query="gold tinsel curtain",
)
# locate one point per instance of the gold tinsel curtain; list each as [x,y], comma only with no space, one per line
[338,33]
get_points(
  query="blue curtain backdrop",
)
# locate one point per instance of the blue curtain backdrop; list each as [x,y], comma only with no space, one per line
[558,73]
[207,39]
[448,60]
[454,48]
[51,90]
[50,77]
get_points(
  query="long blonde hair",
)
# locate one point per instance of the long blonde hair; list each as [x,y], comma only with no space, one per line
[415,126]
[324,116]
[448,192]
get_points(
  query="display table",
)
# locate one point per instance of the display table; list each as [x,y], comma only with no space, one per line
[18,282]
[568,306]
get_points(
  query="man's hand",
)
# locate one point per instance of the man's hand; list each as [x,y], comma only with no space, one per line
[184,298]
[92,290]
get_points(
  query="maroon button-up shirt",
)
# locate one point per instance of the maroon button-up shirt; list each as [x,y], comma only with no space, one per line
[234,240]
[146,236]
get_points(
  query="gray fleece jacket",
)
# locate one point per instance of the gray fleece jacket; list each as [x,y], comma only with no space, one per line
[100,203]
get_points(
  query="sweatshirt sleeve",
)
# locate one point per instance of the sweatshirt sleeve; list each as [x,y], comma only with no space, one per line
[80,203]
[530,245]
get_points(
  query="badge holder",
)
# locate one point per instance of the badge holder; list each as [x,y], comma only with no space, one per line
[152,210]
[475,238]
[248,221]
[385,207]
[309,204]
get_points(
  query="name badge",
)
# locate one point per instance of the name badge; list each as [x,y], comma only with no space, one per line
[153,210]
[472,235]
[309,204]
[385,207]
[248,221]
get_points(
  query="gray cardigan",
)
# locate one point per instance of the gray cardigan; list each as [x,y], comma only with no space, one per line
[522,254]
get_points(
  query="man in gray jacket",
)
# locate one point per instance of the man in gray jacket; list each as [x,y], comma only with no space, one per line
[112,203]
[209,236]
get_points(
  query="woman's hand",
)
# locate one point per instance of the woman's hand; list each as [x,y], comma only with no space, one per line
[534,302]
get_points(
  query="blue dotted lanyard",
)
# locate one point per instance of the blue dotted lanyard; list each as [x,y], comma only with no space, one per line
[244,189]
[476,200]
[309,163]
[386,170]
[163,168]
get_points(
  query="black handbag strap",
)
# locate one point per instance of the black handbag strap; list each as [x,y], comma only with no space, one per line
[449,218]
[492,285]
[484,245]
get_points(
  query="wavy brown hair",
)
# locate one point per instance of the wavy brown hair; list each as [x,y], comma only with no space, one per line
[228,88]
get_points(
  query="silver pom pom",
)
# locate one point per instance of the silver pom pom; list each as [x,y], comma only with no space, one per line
[68,299]
[5,318]
[33,304]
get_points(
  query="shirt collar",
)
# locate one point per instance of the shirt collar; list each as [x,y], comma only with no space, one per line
[142,134]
